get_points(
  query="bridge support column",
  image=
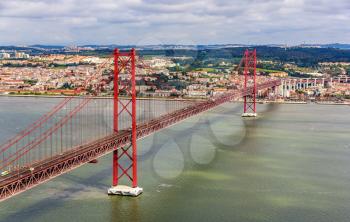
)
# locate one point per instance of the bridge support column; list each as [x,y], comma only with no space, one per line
[250,91]
[125,158]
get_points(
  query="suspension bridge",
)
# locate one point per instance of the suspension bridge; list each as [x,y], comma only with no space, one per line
[79,130]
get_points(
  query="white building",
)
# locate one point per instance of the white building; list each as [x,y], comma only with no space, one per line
[21,55]
[197,93]
[5,55]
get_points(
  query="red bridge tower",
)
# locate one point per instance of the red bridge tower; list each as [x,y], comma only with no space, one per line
[250,88]
[125,158]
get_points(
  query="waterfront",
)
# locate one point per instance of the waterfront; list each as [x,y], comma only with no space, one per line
[292,164]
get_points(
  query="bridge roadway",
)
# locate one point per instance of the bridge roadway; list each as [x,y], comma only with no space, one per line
[20,181]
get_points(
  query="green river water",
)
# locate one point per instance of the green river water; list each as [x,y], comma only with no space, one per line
[290,164]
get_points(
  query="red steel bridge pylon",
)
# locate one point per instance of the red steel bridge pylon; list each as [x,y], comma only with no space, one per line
[125,158]
[250,87]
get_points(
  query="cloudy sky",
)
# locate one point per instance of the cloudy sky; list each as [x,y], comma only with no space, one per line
[142,22]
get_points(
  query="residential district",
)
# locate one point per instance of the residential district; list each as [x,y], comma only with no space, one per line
[157,76]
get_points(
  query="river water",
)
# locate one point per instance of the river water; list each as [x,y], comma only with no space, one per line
[291,164]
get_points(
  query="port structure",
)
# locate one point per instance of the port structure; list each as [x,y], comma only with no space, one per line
[250,87]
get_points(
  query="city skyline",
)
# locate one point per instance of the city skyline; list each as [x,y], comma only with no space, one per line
[148,22]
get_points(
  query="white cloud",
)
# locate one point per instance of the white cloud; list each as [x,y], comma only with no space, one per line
[198,21]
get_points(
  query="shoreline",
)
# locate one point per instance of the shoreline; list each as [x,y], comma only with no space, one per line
[103,97]
[284,102]
[176,99]
[333,103]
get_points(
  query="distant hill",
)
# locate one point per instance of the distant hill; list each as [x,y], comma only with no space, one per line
[298,55]
[175,47]
[338,46]
[304,55]
[47,46]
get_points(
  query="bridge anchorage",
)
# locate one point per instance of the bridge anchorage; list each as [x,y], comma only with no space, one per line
[250,87]
[125,158]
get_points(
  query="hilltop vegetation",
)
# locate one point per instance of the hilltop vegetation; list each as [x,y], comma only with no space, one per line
[304,57]
[301,56]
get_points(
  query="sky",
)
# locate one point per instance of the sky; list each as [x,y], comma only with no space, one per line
[148,22]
